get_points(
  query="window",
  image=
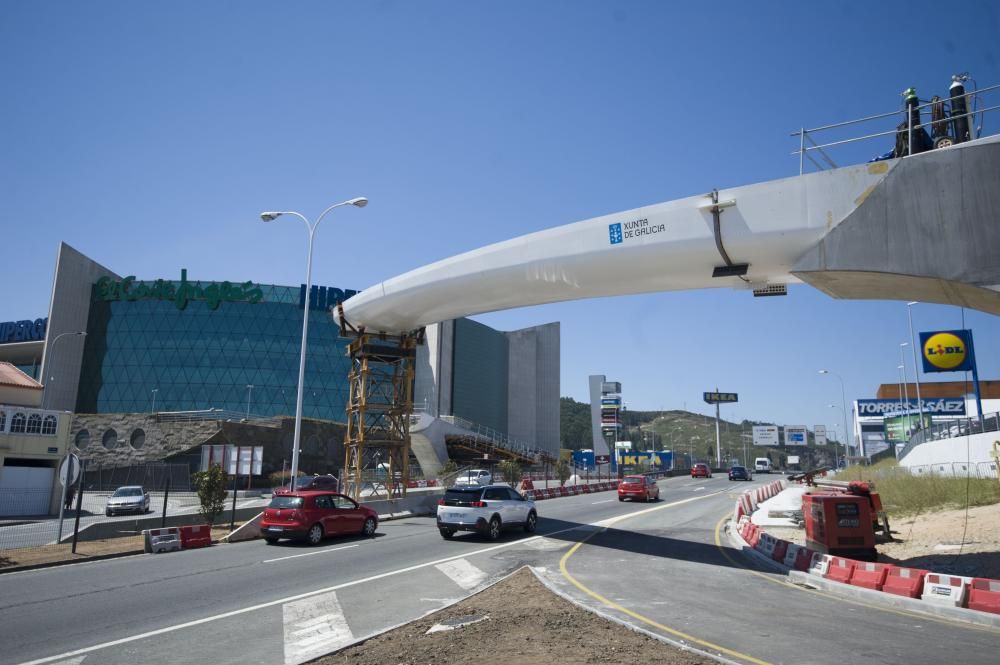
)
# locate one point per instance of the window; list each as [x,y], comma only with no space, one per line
[17,423]
[34,424]
[49,426]
[110,439]
[324,502]
[344,503]
[138,438]
[3,421]
[284,502]
[82,439]
[497,493]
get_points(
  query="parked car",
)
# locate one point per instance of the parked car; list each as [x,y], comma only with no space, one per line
[128,499]
[701,470]
[474,477]
[740,473]
[325,483]
[638,487]
[312,516]
[485,510]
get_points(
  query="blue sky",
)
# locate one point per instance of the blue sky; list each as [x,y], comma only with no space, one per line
[150,136]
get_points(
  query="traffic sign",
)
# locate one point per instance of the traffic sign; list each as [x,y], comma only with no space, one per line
[70,466]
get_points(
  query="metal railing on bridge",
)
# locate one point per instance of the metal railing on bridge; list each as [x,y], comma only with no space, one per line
[911,127]
[216,414]
[495,437]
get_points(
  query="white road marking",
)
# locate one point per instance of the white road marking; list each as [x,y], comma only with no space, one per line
[594,503]
[462,573]
[296,556]
[698,489]
[309,594]
[313,627]
[71,661]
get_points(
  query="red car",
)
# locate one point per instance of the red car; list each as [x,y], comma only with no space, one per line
[312,516]
[638,487]
[700,470]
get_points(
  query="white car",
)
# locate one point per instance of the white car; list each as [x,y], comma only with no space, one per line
[485,510]
[128,499]
[474,477]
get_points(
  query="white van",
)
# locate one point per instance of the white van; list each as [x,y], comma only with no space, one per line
[762,465]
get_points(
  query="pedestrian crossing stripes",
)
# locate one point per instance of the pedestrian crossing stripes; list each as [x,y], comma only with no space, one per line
[314,626]
[462,573]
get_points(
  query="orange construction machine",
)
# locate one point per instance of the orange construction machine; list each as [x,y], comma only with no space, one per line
[843,517]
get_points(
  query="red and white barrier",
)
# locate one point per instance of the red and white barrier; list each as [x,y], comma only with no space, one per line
[870,575]
[194,536]
[841,569]
[984,595]
[946,589]
[907,582]
[780,550]
[167,539]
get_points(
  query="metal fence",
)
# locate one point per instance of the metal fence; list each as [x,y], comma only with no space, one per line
[153,476]
[951,429]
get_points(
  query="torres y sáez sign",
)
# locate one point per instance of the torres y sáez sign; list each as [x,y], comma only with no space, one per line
[940,406]
[214,294]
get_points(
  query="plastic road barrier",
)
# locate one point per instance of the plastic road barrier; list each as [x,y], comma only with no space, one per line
[984,595]
[819,565]
[907,582]
[946,589]
[870,575]
[841,569]
[162,540]
[780,549]
[197,535]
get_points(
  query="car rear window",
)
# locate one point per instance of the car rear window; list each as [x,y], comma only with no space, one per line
[285,502]
[633,481]
[461,497]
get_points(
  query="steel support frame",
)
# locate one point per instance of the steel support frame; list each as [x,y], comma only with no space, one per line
[378,410]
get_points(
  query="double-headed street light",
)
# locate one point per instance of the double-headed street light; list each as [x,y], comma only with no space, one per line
[359,202]
[843,399]
[916,368]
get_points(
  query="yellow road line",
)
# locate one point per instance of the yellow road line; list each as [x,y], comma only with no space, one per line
[635,615]
[849,601]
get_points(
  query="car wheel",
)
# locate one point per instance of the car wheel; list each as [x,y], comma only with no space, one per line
[369,527]
[315,534]
[107,513]
[622,499]
[531,523]
[270,541]
[493,530]
[447,533]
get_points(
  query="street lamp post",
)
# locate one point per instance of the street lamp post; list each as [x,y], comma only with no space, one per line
[152,409]
[45,395]
[843,399]
[834,406]
[916,368]
[249,393]
[359,202]
[906,388]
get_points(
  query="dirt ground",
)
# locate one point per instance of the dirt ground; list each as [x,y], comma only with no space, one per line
[521,622]
[942,541]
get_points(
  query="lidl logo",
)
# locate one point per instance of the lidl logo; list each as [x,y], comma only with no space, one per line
[945,351]
[615,231]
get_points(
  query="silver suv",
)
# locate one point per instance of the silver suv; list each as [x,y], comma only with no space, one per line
[485,510]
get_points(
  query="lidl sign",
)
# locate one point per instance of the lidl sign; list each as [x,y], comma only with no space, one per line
[946,351]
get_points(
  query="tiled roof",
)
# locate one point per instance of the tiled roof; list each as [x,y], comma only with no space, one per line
[10,375]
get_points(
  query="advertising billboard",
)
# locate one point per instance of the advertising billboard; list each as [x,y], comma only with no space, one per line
[935,406]
[819,432]
[765,435]
[899,429]
[796,435]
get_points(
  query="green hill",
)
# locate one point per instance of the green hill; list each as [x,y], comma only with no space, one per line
[686,433]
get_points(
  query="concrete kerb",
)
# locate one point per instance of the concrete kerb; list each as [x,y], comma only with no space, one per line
[848,591]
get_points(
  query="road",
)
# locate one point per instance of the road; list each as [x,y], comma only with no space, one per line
[657,565]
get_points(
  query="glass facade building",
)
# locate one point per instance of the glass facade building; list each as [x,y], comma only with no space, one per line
[226,347]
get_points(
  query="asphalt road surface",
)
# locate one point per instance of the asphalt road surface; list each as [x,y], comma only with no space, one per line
[657,566]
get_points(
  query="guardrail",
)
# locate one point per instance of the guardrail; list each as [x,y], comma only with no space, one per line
[911,124]
[495,437]
[216,414]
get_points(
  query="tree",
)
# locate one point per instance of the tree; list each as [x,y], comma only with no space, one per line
[211,487]
[511,471]
[562,471]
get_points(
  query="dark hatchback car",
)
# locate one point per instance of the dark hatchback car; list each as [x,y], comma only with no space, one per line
[740,473]
[312,516]
[310,483]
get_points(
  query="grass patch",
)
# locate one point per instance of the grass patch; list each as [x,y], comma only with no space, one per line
[905,494]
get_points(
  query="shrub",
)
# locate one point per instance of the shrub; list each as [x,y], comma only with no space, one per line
[562,471]
[211,487]
[511,471]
